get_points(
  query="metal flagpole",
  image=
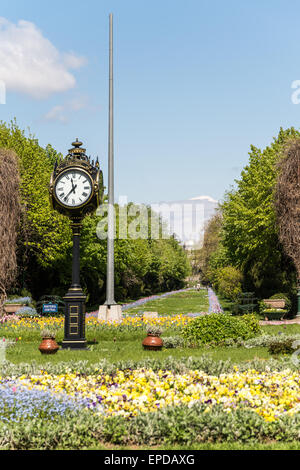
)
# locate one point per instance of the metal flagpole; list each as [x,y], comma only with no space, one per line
[110,311]
[110,287]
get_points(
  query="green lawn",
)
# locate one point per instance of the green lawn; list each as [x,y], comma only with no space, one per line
[184,302]
[125,345]
[126,350]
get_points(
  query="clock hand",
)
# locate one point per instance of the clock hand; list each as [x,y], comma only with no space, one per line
[72,191]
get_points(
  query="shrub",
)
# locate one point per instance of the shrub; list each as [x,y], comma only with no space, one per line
[265,340]
[217,328]
[229,282]
[283,345]
[173,342]
[252,323]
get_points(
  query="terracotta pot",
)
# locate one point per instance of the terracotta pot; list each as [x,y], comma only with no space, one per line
[48,346]
[151,342]
[12,308]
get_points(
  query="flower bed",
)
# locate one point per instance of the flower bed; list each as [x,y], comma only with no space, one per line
[130,392]
[153,402]
[127,323]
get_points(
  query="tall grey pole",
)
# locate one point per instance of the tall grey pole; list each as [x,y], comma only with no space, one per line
[110,287]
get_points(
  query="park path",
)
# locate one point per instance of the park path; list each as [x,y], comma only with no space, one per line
[214,305]
[280,322]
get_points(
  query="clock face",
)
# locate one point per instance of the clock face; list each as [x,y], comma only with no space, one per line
[73,188]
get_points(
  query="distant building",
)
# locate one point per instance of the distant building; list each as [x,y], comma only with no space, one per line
[187,218]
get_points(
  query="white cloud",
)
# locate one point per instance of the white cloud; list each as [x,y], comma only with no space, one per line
[73,61]
[57,113]
[31,64]
[62,112]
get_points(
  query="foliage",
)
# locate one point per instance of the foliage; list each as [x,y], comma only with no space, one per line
[183,424]
[229,282]
[211,242]
[249,228]
[265,340]
[10,217]
[48,333]
[171,342]
[287,200]
[252,323]
[154,330]
[283,345]
[216,328]
[43,236]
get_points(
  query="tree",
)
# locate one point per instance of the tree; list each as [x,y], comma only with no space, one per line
[10,217]
[211,244]
[249,228]
[44,235]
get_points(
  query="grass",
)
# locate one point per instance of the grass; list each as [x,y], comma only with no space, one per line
[126,350]
[183,302]
[117,346]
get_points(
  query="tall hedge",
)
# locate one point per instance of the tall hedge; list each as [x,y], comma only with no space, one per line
[10,217]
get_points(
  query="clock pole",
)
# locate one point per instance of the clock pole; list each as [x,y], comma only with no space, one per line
[74,337]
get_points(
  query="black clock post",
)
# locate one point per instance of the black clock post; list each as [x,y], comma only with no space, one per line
[74,337]
[76,189]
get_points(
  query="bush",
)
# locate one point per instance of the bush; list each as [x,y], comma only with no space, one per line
[229,282]
[282,346]
[252,323]
[173,342]
[216,328]
[265,340]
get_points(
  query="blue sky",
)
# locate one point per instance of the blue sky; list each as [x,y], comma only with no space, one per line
[196,83]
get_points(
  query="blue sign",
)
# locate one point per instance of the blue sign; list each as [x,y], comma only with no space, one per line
[50,308]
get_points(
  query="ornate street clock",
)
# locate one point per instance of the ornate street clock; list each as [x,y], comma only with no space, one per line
[76,190]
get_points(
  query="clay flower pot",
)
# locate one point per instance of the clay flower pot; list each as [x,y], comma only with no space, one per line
[12,308]
[152,342]
[48,346]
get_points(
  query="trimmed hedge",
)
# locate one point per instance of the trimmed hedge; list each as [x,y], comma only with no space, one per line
[216,328]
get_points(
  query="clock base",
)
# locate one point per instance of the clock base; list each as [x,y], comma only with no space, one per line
[74,320]
[78,345]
